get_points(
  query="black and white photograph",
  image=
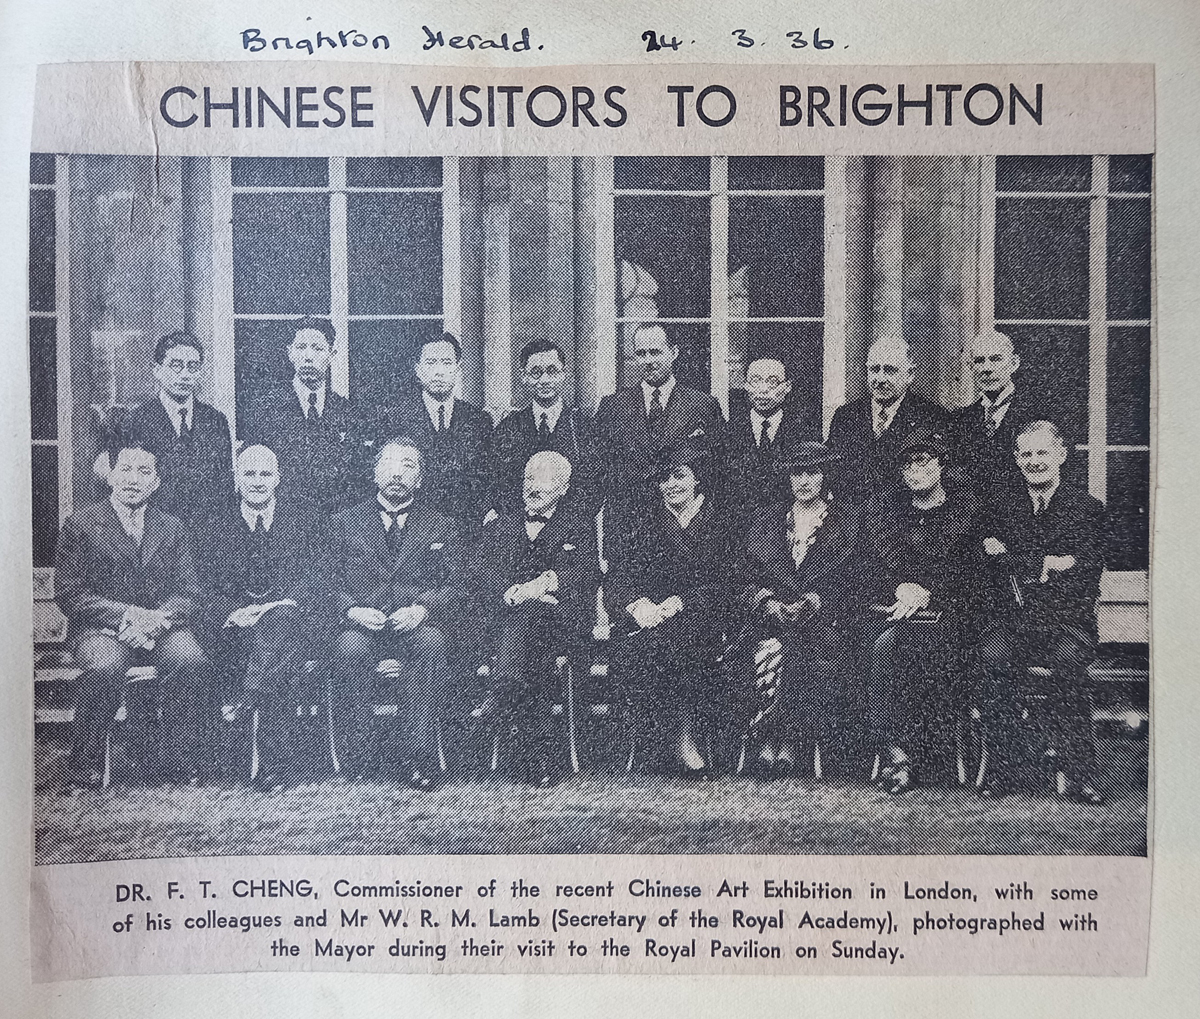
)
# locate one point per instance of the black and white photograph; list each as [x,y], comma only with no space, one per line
[635,504]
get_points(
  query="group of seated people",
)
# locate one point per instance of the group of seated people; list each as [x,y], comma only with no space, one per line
[774,602]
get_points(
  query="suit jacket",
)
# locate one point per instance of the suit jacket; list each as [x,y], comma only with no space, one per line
[624,446]
[989,460]
[323,463]
[292,548]
[426,568]
[830,568]
[99,571]
[452,457]
[868,464]
[516,439]
[566,544]
[1072,524]
[196,470]
[753,477]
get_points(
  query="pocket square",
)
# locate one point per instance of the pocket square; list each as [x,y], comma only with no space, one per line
[568,547]
[437,546]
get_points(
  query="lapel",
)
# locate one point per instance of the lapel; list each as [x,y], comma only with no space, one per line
[154,533]
[118,539]
[412,538]
[369,526]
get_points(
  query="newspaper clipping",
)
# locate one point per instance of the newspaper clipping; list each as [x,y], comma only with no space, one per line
[684,519]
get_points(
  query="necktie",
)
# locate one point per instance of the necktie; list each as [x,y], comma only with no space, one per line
[184,431]
[991,417]
[1039,504]
[535,518]
[259,524]
[312,416]
[544,426]
[656,408]
[881,419]
[441,417]
[393,528]
[764,436]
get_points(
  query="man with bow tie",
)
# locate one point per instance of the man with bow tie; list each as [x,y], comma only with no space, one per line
[395,567]
[259,566]
[189,437]
[867,433]
[1044,543]
[314,431]
[536,576]
[125,579]
[985,431]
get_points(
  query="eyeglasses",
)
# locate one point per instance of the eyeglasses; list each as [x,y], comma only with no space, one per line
[551,371]
[179,367]
[767,382]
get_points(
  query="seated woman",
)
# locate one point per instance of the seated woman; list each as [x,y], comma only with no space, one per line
[920,563]
[801,589]
[667,594]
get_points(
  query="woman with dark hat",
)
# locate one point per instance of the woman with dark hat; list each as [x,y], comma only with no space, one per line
[801,590]
[668,597]
[918,543]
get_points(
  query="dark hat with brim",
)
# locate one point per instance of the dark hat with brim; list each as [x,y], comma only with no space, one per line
[804,458]
[690,452]
[924,440]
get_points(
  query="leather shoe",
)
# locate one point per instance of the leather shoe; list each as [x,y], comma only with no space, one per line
[994,787]
[84,782]
[1083,792]
[420,780]
[901,780]
[269,783]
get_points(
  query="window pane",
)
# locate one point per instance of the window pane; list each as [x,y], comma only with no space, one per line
[1128,511]
[45,504]
[694,364]
[776,256]
[662,173]
[41,251]
[381,358]
[395,253]
[797,344]
[281,254]
[1054,370]
[1043,173]
[260,360]
[666,240]
[1129,173]
[41,168]
[776,173]
[1041,258]
[279,171]
[394,172]
[43,378]
[1129,386]
[1128,258]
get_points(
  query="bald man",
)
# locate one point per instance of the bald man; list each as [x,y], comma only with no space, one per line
[259,565]
[866,434]
[535,578]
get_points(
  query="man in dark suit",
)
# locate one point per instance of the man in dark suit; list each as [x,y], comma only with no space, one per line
[867,433]
[125,579]
[633,426]
[395,567]
[985,431]
[453,436]
[536,578]
[1045,544]
[259,565]
[313,430]
[190,438]
[766,423]
[547,424]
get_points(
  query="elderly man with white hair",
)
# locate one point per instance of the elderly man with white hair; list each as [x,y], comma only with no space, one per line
[866,434]
[535,577]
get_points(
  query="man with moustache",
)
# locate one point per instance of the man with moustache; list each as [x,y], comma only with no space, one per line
[866,434]
[767,423]
[535,576]
[1044,544]
[985,432]
[313,430]
[125,579]
[454,436]
[259,566]
[546,425]
[633,425]
[395,567]
[190,438]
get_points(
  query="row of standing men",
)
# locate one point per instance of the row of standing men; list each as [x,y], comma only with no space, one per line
[675,483]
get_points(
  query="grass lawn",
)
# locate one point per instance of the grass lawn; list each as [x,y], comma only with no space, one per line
[588,813]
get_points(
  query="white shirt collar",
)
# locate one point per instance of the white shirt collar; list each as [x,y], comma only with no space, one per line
[250,514]
[772,421]
[889,411]
[1002,397]
[553,413]
[132,520]
[302,392]
[1045,494]
[664,390]
[432,405]
[688,514]
[172,408]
